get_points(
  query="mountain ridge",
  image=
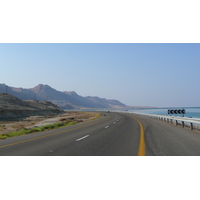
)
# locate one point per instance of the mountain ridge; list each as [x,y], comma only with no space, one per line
[65,100]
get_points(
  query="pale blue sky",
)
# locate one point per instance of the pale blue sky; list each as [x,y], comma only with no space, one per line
[143,74]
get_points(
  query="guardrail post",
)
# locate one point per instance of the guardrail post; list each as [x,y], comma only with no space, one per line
[177,120]
[183,124]
[191,126]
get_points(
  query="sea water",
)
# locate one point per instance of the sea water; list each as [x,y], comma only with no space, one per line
[193,112]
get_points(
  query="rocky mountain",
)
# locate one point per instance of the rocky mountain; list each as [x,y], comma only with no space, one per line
[65,100]
[12,107]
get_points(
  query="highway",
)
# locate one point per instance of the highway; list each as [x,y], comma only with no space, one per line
[115,134]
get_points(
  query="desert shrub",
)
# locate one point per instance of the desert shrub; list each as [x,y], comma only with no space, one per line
[33,130]
[2,136]
[2,126]
[16,133]
[62,119]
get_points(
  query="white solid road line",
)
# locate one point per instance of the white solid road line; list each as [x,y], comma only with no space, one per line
[106,126]
[82,138]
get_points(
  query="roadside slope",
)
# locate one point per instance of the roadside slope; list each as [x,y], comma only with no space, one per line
[12,107]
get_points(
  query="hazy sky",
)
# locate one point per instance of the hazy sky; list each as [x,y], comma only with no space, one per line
[137,74]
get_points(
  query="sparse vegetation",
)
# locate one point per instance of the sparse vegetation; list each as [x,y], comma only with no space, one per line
[36,129]
[90,116]
[22,128]
[97,116]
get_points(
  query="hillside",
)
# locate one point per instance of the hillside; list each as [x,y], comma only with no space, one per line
[12,107]
[107,103]
[65,100]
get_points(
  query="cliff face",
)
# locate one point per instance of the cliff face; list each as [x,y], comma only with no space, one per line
[11,107]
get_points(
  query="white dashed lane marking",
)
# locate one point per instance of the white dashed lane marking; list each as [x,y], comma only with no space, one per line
[82,138]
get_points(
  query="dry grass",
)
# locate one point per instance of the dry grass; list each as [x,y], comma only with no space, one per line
[30,122]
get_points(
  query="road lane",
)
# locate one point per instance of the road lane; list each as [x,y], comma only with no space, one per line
[121,139]
[35,136]
[164,139]
[90,138]
[11,145]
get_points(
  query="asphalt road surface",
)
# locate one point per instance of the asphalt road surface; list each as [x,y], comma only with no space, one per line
[115,134]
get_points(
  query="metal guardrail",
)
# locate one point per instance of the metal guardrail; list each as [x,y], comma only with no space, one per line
[183,120]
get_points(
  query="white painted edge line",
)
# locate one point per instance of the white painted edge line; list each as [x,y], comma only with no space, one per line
[106,126]
[82,138]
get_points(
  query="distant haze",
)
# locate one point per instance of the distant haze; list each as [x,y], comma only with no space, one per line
[157,75]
